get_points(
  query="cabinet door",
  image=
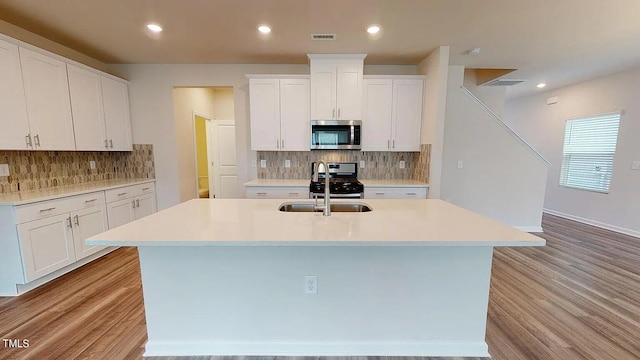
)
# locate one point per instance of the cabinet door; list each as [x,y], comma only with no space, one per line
[48,105]
[349,92]
[145,205]
[115,95]
[87,109]
[294,115]
[46,245]
[407,114]
[264,106]
[13,108]
[120,212]
[377,109]
[323,91]
[86,223]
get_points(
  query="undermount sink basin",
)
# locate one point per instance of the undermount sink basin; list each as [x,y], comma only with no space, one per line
[335,207]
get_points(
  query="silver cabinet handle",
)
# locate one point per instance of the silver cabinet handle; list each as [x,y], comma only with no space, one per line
[76,220]
[277,144]
[379,193]
[69,222]
[394,144]
[261,193]
[47,209]
[411,194]
[282,144]
[133,203]
[89,201]
[28,139]
[293,194]
[106,143]
[121,194]
[111,143]
[145,189]
[338,113]
[334,113]
[388,145]
[37,139]
[137,203]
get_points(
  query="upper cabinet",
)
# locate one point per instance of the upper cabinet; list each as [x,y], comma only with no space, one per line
[279,111]
[51,104]
[100,107]
[392,109]
[13,107]
[336,86]
[48,107]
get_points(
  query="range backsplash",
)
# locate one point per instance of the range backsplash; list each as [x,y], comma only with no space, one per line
[378,164]
[33,170]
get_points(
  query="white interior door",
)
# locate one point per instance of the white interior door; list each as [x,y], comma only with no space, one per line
[223,170]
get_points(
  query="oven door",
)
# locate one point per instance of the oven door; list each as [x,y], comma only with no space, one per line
[336,134]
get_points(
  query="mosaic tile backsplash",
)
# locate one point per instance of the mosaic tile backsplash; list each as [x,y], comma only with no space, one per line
[33,170]
[378,165]
[421,163]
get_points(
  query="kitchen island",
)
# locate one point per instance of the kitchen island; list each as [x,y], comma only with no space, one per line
[232,277]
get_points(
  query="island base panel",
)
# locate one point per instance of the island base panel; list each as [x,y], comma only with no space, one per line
[370,301]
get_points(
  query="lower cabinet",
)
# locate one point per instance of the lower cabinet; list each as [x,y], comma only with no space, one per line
[51,234]
[130,203]
[278,192]
[395,192]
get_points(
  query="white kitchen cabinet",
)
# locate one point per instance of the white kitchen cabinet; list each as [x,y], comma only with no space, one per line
[13,107]
[48,104]
[278,192]
[279,110]
[86,223]
[100,108]
[395,192]
[336,86]
[46,245]
[130,203]
[115,94]
[392,109]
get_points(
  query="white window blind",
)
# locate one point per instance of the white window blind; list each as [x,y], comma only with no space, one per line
[587,155]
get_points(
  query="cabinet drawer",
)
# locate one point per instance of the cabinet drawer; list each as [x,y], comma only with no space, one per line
[278,193]
[44,209]
[395,193]
[127,192]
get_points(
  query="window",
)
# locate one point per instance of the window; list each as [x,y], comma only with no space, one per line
[587,155]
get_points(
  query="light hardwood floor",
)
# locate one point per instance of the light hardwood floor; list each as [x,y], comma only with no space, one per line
[576,298]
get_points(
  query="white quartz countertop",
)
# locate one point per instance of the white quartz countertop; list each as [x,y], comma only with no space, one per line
[257,222]
[305,182]
[27,197]
[277,182]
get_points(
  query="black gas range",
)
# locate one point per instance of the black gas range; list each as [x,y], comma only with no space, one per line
[343,181]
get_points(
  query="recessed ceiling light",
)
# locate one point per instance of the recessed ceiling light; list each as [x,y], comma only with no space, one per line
[373,29]
[154,27]
[541,85]
[474,51]
[264,29]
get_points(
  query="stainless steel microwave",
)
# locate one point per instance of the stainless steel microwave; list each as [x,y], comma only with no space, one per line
[336,134]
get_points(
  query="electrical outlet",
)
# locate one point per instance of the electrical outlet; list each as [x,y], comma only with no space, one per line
[635,165]
[310,284]
[4,170]
[287,163]
[263,163]
[254,163]
[362,164]
[402,163]
[460,162]
[92,164]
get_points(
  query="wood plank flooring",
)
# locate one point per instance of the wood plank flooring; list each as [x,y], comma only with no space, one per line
[576,298]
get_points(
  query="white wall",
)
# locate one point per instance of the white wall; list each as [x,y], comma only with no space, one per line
[152,115]
[500,178]
[543,126]
[492,96]
[436,68]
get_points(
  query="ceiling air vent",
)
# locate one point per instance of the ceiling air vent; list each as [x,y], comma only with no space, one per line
[323,36]
[503,82]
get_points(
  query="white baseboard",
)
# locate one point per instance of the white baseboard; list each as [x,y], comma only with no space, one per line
[530,229]
[316,348]
[595,223]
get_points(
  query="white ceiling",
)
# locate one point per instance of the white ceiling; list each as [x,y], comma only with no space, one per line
[553,41]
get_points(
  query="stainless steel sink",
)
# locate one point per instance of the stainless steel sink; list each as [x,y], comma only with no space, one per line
[335,207]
